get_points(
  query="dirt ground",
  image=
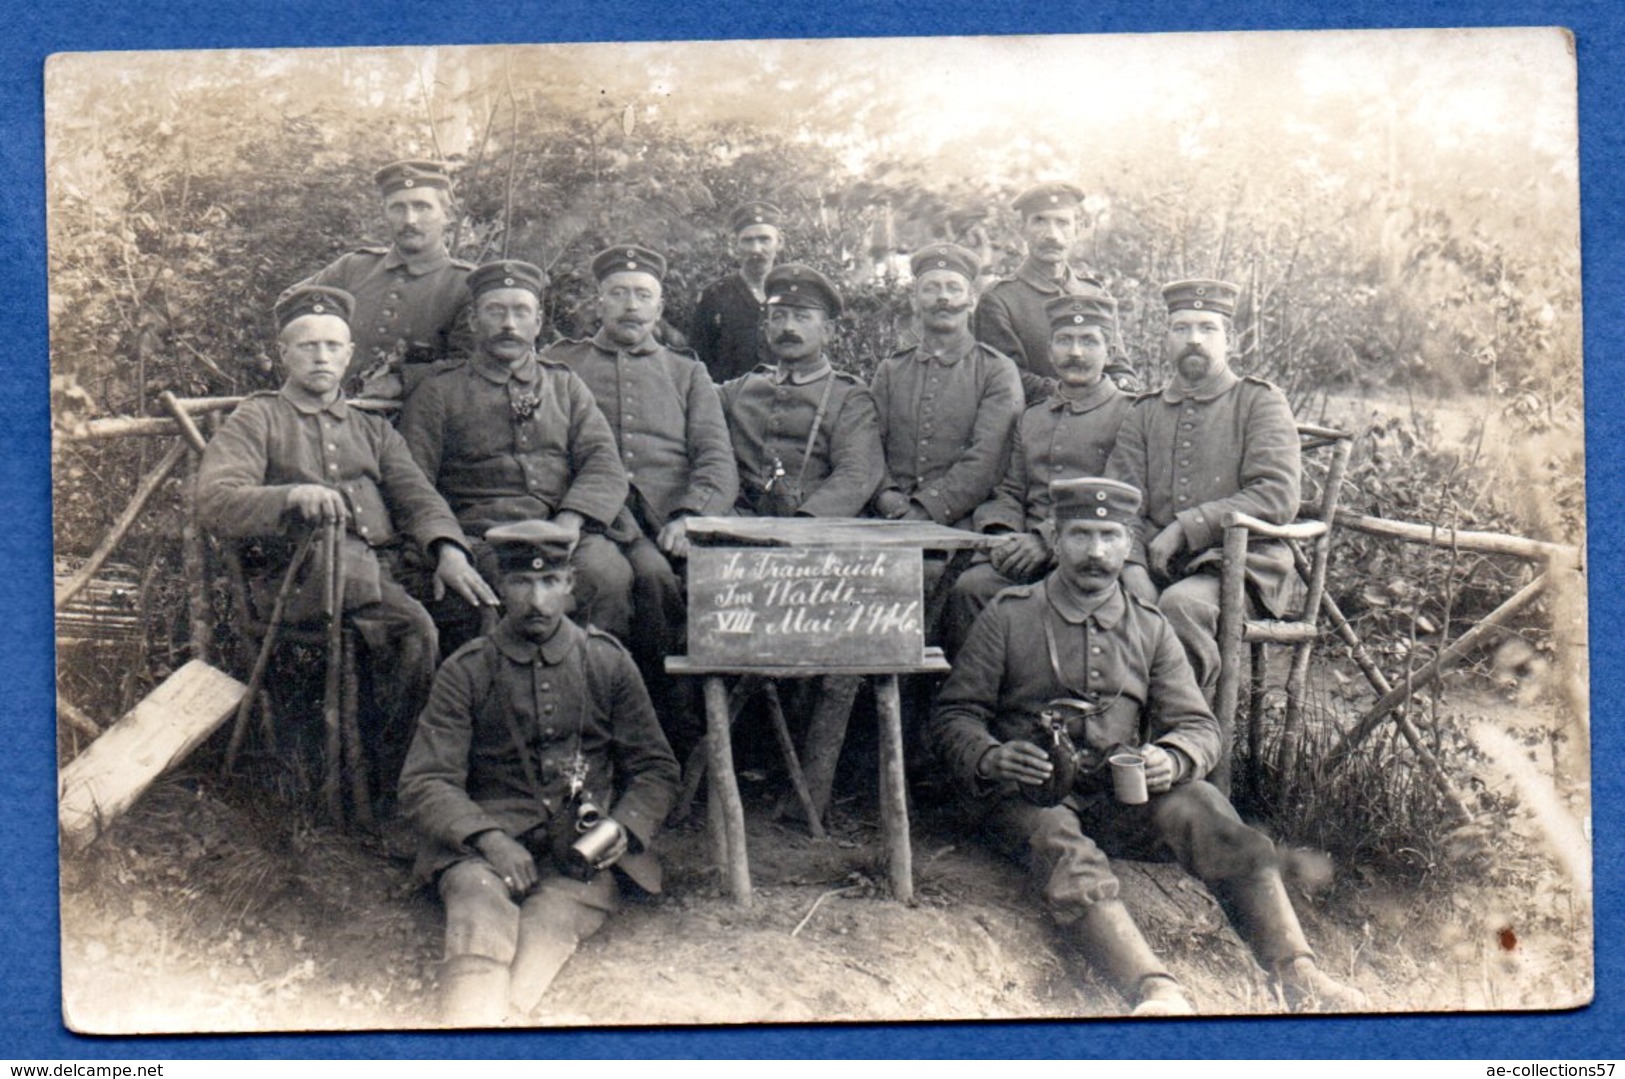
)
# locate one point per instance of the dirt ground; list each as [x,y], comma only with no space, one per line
[217,907]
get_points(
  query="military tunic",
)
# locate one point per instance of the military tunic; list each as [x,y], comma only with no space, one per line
[1124,654]
[522,443]
[1010,317]
[945,422]
[274,442]
[727,329]
[770,414]
[418,312]
[578,692]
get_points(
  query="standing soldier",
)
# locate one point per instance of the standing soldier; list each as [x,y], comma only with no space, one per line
[673,441]
[727,329]
[508,437]
[1068,435]
[1210,443]
[300,457]
[536,766]
[411,298]
[1056,680]
[808,445]
[1010,316]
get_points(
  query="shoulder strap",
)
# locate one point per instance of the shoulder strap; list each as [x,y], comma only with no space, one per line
[812,433]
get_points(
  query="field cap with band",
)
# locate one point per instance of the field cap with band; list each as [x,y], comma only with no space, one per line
[1095,498]
[795,285]
[1056,196]
[945,257]
[628,258]
[1201,294]
[1090,309]
[507,273]
[398,175]
[754,213]
[531,546]
[302,300]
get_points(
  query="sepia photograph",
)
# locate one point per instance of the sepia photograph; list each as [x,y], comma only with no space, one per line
[819,531]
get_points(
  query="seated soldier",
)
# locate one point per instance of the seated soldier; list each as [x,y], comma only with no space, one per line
[1056,678]
[509,436]
[300,457]
[1069,435]
[537,765]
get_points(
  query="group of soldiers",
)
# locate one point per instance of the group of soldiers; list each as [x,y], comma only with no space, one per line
[526,516]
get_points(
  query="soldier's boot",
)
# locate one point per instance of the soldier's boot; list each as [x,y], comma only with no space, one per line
[473,991]
[1268,923]
[1108,938]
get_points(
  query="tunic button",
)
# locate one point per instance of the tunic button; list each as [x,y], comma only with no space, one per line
[1185,445]
[547,686]
[1185,463]
[383,329]
[1095,649]
[1094,674]
[362,530]
[333,446]
[547,710]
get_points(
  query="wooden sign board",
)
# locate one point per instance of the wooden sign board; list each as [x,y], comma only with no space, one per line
[805,607]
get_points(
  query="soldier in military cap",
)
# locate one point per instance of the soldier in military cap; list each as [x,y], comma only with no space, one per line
[807,444]
[1010,316]
[507,436]
[410,297]
[1056,678]
[1209,443]
[727,329]
[673,442]
[537,766]
[1069,434]
[300,457]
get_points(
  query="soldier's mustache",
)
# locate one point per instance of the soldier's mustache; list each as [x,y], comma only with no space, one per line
[945,307]
[1194,350]
[789,338]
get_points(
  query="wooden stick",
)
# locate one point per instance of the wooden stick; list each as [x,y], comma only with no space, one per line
[332,693]
[1478,542]
[355,757]
[894,790]
[724,792]
[1432,672]
[121,527]
[76,718]
[798,780]
[257,675]
[157,426]
[694,768]
[1232,616]
[172,405]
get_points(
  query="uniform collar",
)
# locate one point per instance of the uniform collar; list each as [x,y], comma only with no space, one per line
[1075,609]
[1091,399]
[419,267]
[335,408]
[551,651]
[1034,275]
[1216,386]
[961,347]
[803,376]
[604,341]
[495,370]
[744,287]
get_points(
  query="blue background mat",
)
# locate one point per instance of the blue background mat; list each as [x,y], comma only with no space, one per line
[30,1017]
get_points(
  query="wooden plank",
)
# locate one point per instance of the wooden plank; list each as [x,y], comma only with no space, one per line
[894,791]
[156,734]
[834,532]
[809,607]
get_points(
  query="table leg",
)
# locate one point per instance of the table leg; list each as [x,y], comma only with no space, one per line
[894,790]
[724,792]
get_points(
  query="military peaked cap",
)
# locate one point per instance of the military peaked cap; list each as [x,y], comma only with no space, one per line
[1201,294]
[403,174]
[302,300]
[754,213]
[945,257]
[1089,309]
[1048,197]
[531,546]
[628,258]
[1095,498]
[795,285]
[507,273]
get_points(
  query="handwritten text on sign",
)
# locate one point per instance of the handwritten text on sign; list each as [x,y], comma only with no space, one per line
[805,607]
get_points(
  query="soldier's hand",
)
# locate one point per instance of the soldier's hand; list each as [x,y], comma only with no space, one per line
[1161,769]
[673,538]
[915,512]
[1021,557]
[891,504]
[1138,582]
[317,504]
[510,859]
[1015,760]
[453,571]
[569,519]
[1169,542]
